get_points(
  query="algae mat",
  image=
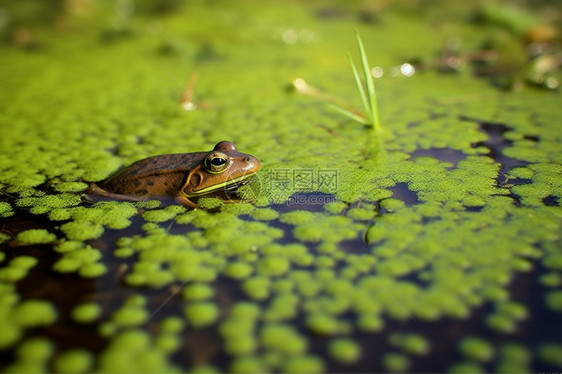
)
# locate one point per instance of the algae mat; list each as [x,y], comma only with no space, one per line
[433,245]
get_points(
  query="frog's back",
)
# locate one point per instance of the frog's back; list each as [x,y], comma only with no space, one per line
[154,176]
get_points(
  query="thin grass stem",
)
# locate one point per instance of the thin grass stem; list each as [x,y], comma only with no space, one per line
[350,114]
[373,111]
[358,83]
[367,92]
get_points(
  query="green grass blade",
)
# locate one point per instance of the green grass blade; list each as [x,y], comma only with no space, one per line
[360,88]
[351,115]
[372,95]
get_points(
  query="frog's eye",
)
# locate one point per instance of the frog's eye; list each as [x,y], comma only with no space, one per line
[216,162]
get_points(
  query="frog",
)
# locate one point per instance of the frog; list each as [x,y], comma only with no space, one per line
[185,177]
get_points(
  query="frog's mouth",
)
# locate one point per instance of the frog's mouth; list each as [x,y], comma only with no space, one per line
[229,186]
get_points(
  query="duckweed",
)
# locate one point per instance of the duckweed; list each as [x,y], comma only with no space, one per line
[512,309]
[554,300]
[205,274]
[35,349]
[344,350]
[257,287]
[264,214]
[74,361]
[163,215]
[476,349]
[160,278]
[82,259]
[5,210]
[148,204]
[86,312]
[392,204]
[9,335]
[282,307]
[167,342]
[198,292]
[81,231]
[237,327]
[335,207]
[297,217]
[238,270]
[32,356]
[70,186]
[411,343]
[396,363]
[551,279]
[551,354]
[136,301]
[241,345]
[245,310]
[370,323]
[67,265]
[130,315]
[134,340]
[133,350]
[247,365]
[93,270]
[361,214]
[273,266]
[13,274]
[209,203]
[508,367]
[515,354]
[124,252]
[282,338]
[32,313]
[24,262]
[44,204]
[273,359]
[172,324]
[68,246]
[466,367]
[201,314]
[108,329]
[500,323]
[35,236]
[321,323]
[454,230]
[209,369]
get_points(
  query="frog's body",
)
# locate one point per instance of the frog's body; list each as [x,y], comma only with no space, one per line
[183,176]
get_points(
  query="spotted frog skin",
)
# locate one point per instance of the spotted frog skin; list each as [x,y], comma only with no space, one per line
[183,176]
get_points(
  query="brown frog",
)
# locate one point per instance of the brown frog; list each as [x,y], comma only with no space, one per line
[183,176]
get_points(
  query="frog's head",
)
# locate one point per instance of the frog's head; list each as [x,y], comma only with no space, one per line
[222,168]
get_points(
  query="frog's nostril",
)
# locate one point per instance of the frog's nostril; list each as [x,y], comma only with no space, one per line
[247,159]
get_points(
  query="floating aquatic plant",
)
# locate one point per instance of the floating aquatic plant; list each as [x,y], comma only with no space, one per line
[74,361]
[345,350]
[86,312]
[35,236]
[297,281]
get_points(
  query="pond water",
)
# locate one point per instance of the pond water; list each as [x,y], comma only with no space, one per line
[432,245]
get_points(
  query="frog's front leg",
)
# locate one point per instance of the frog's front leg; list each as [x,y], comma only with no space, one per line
[181,199]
